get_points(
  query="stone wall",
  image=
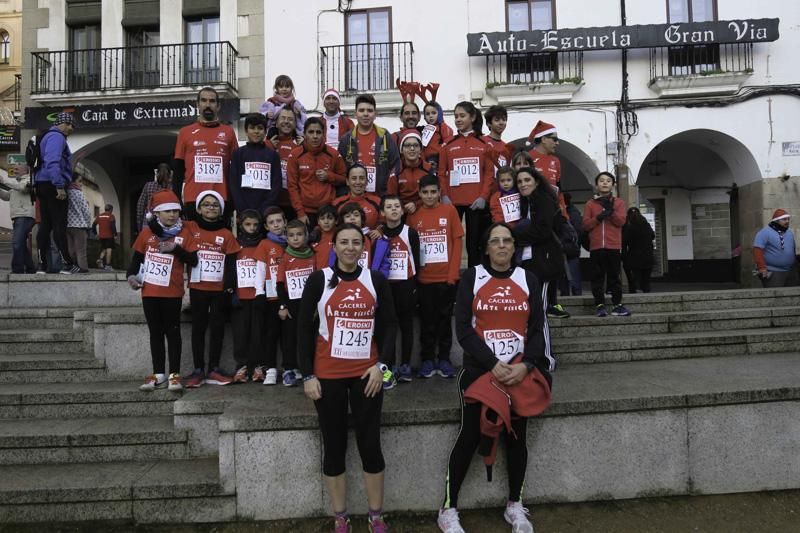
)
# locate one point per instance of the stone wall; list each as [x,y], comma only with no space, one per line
[711,231]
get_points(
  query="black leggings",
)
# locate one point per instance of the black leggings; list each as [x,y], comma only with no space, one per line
[207,313]
[404,294]
[476,223]
[53,217]
[435,324]
[164,320]
[332,411]
[247,323]
[605,271]
[469,436]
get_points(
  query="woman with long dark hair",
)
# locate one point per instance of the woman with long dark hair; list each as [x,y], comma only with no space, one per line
[637,250]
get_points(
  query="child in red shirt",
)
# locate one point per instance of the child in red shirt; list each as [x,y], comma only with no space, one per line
[323,240]
[162,248]
[504,203]
[271,251]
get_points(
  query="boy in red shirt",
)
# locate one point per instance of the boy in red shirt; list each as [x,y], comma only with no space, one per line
[440,236]
[323,240]
[106,226]
[162,248]
[271,252]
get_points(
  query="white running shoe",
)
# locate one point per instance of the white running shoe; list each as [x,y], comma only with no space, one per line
[272,377]
[517,516]
[448,521]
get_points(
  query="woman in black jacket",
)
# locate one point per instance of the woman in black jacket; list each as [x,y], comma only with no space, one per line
[637,251]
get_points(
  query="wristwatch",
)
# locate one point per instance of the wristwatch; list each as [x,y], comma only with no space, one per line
[281,307]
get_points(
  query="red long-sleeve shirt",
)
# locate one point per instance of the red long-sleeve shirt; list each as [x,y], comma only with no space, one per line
[473,158]
[306,192]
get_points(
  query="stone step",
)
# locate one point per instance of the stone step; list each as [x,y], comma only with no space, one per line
[97,440]
[675,345]
[51,368]
[35,319]
[24,341]
[57,290]
[171,491]
[83,400]
[688,321]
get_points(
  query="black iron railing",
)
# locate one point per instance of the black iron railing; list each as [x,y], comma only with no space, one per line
[17,91]
[134,67]
[355,68]
[550,67]
[702,60]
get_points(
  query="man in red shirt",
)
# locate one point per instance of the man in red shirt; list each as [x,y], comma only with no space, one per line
[203,154]
[106,227]
[545,141]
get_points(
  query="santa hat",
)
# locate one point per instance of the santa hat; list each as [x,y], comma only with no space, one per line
[331,92]
[410,134]
[780,214]
[164,200]
[540,130]
[215,194]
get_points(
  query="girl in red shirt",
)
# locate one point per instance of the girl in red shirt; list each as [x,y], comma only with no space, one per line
[162,248]
[323,239]
[436,133]
[504,203]
[340,361]
[412,169]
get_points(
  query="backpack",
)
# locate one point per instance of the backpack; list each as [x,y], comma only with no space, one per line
[33,151]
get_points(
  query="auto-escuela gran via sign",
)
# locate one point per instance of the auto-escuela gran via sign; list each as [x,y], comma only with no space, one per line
[128,114]
[622,37]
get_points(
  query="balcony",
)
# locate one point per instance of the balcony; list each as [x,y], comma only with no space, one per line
[127,72]
[367,68]
[534,77]
[700,70]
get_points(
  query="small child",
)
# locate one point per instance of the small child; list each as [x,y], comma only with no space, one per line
[323,240]
[270,252]
[255,177]
[436,133]
[248,303]
[504,203]
[211,282]
[162,248]
[403,265]
[376,253]
[293,271]
[441,240]
[283,98]
[603,218]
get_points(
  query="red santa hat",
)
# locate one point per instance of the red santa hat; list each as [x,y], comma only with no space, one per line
[410,134]
[331,92]
[164,200]
[540,130]
[780,214]
[216,195]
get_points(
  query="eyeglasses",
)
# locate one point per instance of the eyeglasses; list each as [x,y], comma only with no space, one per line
[411,146]
[498,241]
[210,206]
[554,139]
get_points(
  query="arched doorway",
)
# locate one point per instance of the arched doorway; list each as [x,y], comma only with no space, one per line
[689,184]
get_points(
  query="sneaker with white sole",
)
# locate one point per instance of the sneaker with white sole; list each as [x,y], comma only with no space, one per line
[258,374]
[153,382]
[218,377]
[290,379]
[448,521]
[241,375]
[271,377]
[517,516]
[175,382]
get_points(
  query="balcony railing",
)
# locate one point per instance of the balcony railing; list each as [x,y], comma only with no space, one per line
[17,91]
[135,67]
[702,60]
[355,68]
[532,68]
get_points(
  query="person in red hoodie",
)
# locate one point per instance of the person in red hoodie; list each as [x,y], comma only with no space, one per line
[545,141]
[603,218]
[499,324]
[336,122]
[314,170]
[412,168]
[467,168]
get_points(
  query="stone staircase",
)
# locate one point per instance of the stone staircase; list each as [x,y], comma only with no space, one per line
[694,393]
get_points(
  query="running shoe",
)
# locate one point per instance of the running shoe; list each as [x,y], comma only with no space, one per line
[271,377]
[217,377]
[175,382]
[241,375]
[556,311]
[196,380]
[517,516]
[99,263]
[404,373]
[341,524]
[601,311]
[258,374]
[426,370]
[620,310]
[377,525]
[289,378]
[151,383]
[446,370]
[448,521]
[389,380]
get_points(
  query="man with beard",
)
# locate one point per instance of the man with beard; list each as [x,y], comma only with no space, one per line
[202,154]
[774,252]
[409,116]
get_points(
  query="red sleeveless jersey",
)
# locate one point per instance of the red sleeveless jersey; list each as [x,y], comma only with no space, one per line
[500,312]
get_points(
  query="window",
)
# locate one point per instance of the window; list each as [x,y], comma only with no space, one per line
[203,51]
[525,15]
[368,50]
[84,57]
[5,47]
[142,57]
[685,60]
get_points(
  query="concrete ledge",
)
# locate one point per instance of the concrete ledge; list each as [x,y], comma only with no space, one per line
[58,290]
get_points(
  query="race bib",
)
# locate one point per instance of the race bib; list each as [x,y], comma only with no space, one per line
[527,253]
[502,160]
[510,206]
[363,261]
[433,247]
[284,177]
[269,286]
[467,170]
[158,268]
[208,169]
[296,281]
[246,273]
[371,179]
[504,343]
[398,264]
[352,339]
[210,266]
[257,175]
[427,134]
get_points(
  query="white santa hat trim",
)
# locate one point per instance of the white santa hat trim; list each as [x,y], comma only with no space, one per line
[216,195]
[331,92]
[545,132]
[167,207]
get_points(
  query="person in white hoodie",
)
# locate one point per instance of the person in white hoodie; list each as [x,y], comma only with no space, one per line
[23,219]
